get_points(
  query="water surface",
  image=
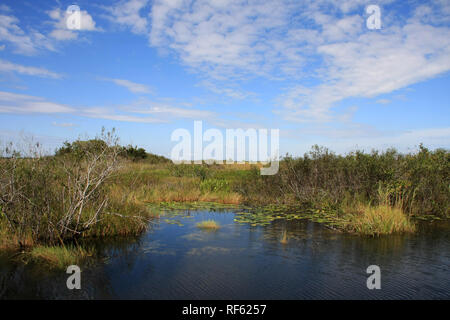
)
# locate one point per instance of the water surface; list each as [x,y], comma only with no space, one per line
[176,260]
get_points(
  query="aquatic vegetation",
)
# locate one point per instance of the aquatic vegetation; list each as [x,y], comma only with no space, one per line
[59,257]
[172,221]
[208,225]
[378,220]
[194,205]
[262,216]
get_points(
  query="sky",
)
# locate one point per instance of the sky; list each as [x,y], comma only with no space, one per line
[315,70]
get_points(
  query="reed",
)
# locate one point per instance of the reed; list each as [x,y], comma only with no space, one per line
[378,220]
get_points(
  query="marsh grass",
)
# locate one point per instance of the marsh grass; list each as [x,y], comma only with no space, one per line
[209,225]
[377,220]
[364,193]
[59,257]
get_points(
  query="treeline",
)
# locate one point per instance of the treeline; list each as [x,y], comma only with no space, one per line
[129,152]
[419,182]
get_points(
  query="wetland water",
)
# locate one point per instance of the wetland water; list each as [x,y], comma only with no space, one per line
[176,260]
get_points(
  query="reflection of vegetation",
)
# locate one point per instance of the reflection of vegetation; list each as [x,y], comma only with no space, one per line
[208,225]
[208,250]
[284,239]
[196,236]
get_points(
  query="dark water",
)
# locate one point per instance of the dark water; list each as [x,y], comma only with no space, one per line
[243,262]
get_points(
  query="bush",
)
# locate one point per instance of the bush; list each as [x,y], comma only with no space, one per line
[419,182]
[134,153]
[50,199]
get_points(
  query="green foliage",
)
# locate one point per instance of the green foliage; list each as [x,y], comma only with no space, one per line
[54,199]
[156,159]
[214,185]
[418,182]
[134,153]
[59,257]
[186,170]
[80,148]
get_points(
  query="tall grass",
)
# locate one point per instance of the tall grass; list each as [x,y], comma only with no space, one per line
[378,220]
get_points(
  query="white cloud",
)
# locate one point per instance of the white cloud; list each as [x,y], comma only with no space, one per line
[355,136]
[105,113]
[372,64]
[291,40]
[63,124]
[383,101]
[231,92]
[138,111]
[21,103]
[132,86]
[6,66]
[127,13]
[165,110]
[226,39]
[61,32]
[403,140]
[31,41]
[21,41]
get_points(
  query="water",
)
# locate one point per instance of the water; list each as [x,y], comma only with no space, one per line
[179,261]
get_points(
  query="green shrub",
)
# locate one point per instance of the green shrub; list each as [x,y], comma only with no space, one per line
[214,185]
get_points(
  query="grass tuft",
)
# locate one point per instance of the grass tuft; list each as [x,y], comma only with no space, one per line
[60,257]
[378,220]
[208,225]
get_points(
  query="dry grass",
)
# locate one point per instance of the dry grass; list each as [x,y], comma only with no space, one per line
[378,220]
[208,225]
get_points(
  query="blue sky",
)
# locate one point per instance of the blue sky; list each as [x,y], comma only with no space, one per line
[310,68]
